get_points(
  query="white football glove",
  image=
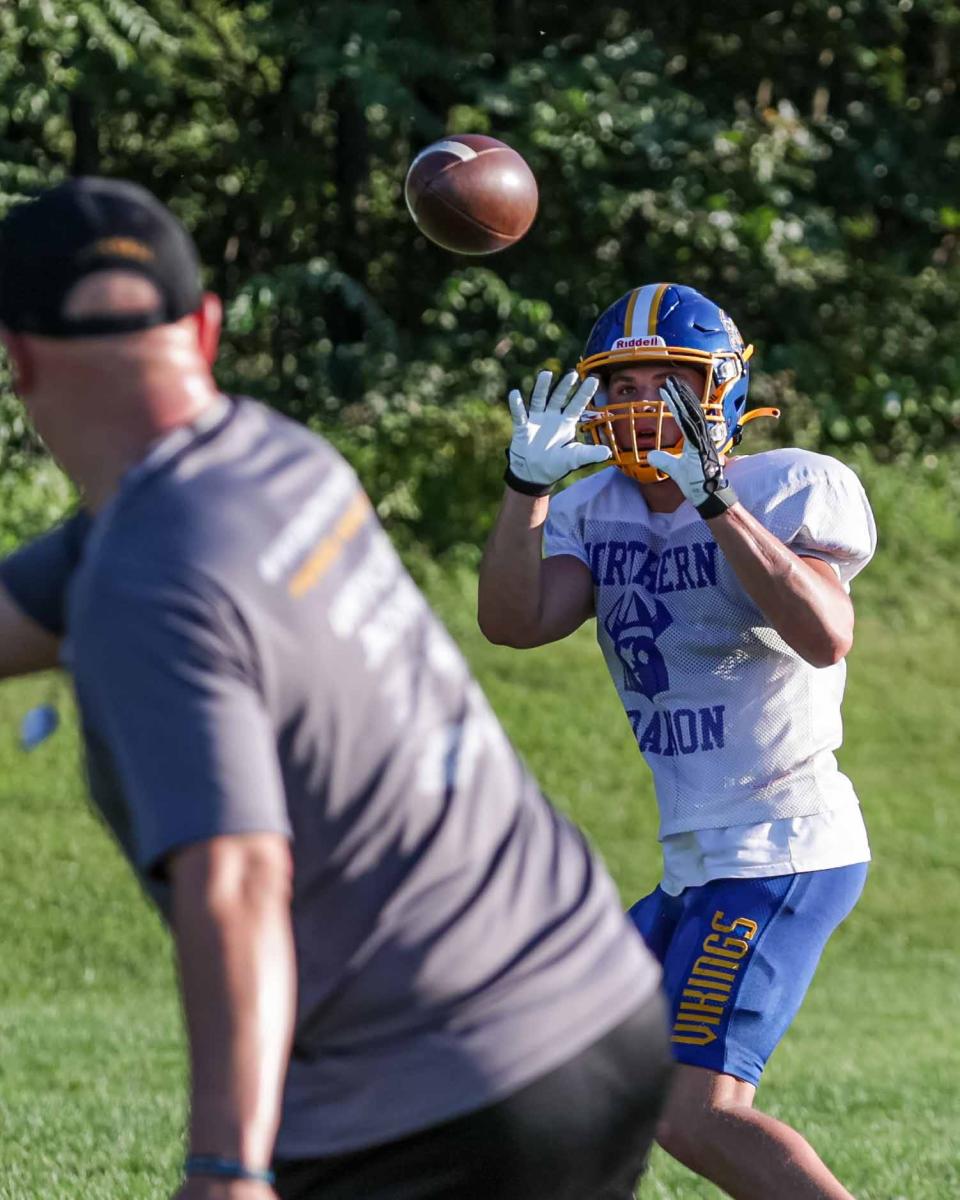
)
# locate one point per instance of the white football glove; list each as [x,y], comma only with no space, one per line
[697,469]
[544,446]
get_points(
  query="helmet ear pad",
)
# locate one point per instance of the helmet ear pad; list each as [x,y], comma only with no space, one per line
[733,399]
[719,435]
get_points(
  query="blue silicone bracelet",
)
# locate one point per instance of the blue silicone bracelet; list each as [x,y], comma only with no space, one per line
[224,1168]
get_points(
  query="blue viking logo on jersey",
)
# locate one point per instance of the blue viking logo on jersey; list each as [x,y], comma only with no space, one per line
[634,630]
[634,624]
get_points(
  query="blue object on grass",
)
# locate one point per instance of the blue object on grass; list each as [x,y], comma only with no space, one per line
[37,725]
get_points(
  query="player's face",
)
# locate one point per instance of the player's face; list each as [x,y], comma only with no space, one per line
[640,383]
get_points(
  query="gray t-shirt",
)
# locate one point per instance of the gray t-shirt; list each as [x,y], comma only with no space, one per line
[250,655]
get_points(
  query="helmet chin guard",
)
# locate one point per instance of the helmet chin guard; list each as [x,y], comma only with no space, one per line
[672,324]
[615,425]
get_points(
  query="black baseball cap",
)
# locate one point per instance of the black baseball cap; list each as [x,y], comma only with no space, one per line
[86,225]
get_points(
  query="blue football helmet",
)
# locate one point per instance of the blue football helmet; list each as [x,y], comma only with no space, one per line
[667,322]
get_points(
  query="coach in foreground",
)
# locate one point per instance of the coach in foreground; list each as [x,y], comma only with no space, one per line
[403,973]
[720,589]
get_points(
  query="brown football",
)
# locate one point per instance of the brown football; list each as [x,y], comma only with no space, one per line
[471,194]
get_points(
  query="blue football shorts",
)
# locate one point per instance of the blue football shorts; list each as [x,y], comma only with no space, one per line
[738,956]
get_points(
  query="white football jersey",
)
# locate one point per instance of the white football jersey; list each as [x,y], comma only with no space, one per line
[737,728]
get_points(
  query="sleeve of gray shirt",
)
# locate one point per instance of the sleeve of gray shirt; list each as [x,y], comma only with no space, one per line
[36,575]
[169,674]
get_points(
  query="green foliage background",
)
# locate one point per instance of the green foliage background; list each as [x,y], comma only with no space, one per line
[799,162]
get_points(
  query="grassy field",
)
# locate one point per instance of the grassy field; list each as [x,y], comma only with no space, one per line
[91,1065]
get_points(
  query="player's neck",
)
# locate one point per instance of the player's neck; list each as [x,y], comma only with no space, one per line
[97,438]
[663,497]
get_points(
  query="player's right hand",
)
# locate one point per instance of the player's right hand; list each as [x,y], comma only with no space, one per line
[544,447]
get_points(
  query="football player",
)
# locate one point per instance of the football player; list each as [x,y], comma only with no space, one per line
[720,590]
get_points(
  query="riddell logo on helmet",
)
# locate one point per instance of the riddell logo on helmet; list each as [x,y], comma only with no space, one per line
[638,343]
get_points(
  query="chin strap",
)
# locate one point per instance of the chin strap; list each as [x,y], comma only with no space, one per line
[746,419]
[759,412]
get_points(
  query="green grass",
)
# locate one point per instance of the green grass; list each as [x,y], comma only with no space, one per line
[91,1066]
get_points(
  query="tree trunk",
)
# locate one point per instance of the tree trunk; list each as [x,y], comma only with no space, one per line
[351,168]
[86,143]
[510,20]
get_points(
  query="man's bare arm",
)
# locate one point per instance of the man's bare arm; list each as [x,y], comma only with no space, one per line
[525,600]
[231,923]
[25,646]
[801,598]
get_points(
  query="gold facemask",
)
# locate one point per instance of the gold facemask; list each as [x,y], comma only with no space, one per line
[719,373]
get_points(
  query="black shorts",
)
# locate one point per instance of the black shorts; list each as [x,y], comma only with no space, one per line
[581,1132]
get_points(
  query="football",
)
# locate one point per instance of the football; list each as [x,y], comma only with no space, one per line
[471,194]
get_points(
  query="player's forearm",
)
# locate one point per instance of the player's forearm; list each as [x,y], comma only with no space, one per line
[231,912]
[509,600]
[811,612]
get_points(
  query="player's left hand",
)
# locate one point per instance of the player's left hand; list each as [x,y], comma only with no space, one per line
[697,469]
[202,1187]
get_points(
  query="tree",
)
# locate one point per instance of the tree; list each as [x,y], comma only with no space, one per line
[798,163]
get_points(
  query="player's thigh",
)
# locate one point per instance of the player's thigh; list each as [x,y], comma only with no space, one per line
[741,960]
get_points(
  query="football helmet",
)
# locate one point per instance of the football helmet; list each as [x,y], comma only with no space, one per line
[671,323]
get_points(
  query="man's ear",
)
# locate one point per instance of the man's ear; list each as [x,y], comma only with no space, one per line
[21,361]
[209,317]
